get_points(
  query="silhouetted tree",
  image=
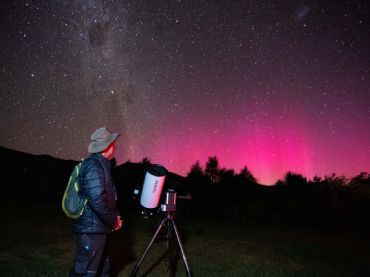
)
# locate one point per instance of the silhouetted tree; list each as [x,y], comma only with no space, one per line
[199,185]
[212,169]
[196,170]
[335,182]
[318,186]
[297,201]
[226,176]
[295,179]
[362,179]
[246,176]
[359,198]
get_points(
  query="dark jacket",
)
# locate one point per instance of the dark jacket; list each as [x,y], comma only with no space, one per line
[96,184]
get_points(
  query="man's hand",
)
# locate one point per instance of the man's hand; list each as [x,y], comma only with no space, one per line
[118,224]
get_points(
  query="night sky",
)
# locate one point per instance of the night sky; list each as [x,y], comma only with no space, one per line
[275,86]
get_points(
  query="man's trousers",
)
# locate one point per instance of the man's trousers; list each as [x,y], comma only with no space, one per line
[91,256]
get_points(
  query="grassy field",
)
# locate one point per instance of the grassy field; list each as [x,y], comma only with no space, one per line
[36,240]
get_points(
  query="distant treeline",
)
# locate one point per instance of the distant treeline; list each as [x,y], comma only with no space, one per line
[216,192]
[222,193]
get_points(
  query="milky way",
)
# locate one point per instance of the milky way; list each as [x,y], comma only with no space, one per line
[275,87]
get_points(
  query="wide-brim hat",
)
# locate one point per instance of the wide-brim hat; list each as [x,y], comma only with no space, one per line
[101,139]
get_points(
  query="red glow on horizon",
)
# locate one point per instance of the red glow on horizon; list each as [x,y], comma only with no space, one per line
[268,151]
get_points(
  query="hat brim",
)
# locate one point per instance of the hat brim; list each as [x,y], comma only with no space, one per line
[96,147]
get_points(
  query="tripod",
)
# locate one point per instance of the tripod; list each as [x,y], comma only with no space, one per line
[170,222]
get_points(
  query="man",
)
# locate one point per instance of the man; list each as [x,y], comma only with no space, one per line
[100,216]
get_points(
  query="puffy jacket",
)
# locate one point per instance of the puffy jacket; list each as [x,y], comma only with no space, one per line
[96,184]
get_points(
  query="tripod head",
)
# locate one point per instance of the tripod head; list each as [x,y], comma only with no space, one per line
[169,204]
[170,201]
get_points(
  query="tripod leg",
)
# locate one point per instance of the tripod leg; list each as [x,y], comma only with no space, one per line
[182,249]
[137,266]
[168,236]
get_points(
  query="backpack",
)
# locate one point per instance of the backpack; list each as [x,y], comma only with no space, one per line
[73,203]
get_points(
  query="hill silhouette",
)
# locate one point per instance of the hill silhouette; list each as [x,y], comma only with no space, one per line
[39,177]
[42,177]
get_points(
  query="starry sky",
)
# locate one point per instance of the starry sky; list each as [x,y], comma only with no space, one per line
[275,86]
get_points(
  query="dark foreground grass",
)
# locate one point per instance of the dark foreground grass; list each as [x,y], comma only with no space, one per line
[36,240]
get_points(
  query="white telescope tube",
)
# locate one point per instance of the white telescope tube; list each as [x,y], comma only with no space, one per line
[153,185]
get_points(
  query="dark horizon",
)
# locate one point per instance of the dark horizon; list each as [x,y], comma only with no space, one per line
[211,164]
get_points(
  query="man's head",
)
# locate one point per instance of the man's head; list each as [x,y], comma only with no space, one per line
[103,141]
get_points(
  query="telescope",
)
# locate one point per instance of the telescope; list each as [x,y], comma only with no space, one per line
[151,192]
[150,197]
